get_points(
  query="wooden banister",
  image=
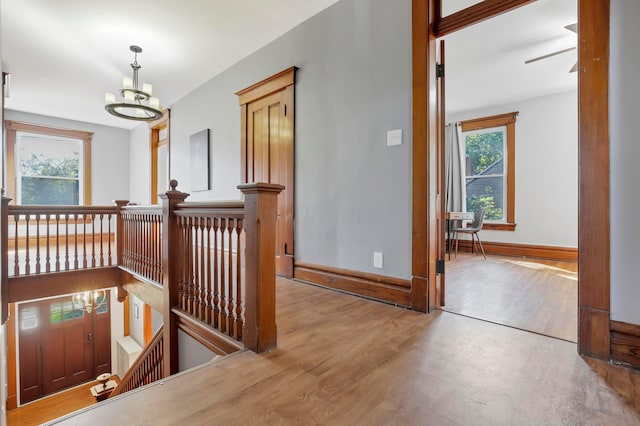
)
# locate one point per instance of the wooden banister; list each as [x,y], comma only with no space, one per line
[260,219]
[147,368]
[4,260]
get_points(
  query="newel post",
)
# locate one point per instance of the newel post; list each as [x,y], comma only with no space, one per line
[260,219]
[4,261]
[170,275]
[119,242]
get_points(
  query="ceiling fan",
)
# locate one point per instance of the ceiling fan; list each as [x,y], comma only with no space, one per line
[574,68]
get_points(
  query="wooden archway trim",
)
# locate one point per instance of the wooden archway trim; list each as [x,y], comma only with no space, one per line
[267,86]
[594,334]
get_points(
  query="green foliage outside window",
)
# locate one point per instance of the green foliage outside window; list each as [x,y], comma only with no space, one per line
[485,172]
[48,180]
[484,149]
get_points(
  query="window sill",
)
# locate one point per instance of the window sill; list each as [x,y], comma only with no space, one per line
[499,226]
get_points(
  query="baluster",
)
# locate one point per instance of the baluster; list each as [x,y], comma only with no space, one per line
[48,254]
[101,240]
[237,318]
[183,264]
[93,242]
[27,267]
[202,295]
[16,243]
[159,247]
[193,240]
[66,242]
[57,242]
[37,244]
[216,282]
[231,303]
[223,297]
[75,241]
[110,259]
[84,240]
[208,273]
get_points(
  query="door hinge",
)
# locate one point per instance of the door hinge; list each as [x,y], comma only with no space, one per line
[285,110]
[439,70]
[285,248]
[440,266]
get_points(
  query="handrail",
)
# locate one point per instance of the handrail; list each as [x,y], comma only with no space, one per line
[146,369]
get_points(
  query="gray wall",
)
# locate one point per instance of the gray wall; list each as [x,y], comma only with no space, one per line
[109,155]
[625,155]
[353,193]
[192,353]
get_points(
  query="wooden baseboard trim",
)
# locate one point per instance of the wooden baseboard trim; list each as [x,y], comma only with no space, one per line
[378,287]
[568,254]
[625,343]
[210,338]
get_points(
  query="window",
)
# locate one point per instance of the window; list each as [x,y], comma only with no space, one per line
[48,165]
[490,168]
[64,311]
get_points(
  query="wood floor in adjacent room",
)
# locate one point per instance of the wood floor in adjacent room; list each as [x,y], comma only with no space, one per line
[343,360]
[530,294]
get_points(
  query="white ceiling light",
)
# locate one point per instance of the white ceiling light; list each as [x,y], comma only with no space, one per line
[137,104]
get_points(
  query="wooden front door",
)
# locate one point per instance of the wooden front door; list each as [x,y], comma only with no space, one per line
[61,346]
[267,142]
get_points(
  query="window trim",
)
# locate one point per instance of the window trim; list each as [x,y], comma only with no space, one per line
[509,121]
[12,127]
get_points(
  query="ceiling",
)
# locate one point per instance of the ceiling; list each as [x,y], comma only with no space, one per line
[484,63]
[64,55]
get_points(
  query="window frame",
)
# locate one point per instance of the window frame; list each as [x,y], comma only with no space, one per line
[12,127]
[507,120]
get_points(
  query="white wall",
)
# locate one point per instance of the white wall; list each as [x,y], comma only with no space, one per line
[625,160]
[140,166]
[136,319]
[353,193]
[546,207]
[109,155]
[117,327]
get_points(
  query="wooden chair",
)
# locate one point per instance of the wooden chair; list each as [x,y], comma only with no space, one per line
[476,226]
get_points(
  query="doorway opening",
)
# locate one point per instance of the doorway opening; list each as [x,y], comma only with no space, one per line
[60,346]
[527,178]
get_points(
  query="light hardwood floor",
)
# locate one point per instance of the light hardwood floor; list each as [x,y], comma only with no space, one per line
[530,294]
[343,360]
[53,406]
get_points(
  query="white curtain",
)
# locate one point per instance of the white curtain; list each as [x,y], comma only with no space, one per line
[456,193]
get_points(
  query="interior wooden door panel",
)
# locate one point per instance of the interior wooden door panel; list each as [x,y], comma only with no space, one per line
[30,355]
[268,155]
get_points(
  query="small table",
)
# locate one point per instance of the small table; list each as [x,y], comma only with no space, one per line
[449,216]
[101,392]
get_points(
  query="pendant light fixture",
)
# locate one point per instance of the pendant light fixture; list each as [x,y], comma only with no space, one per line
[136,103]
[89,301]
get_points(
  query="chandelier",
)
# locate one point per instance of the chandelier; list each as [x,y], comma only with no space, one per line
[89,301]
[136,103]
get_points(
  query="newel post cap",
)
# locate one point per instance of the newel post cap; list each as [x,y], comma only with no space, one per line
[249,188]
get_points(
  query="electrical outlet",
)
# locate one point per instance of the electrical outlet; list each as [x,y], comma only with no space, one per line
[377,259]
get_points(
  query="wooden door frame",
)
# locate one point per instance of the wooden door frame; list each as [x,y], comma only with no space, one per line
[282,81]
[594,185]
[155,127]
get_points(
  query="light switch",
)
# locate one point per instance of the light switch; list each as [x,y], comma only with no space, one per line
[394,137]
[377,259]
